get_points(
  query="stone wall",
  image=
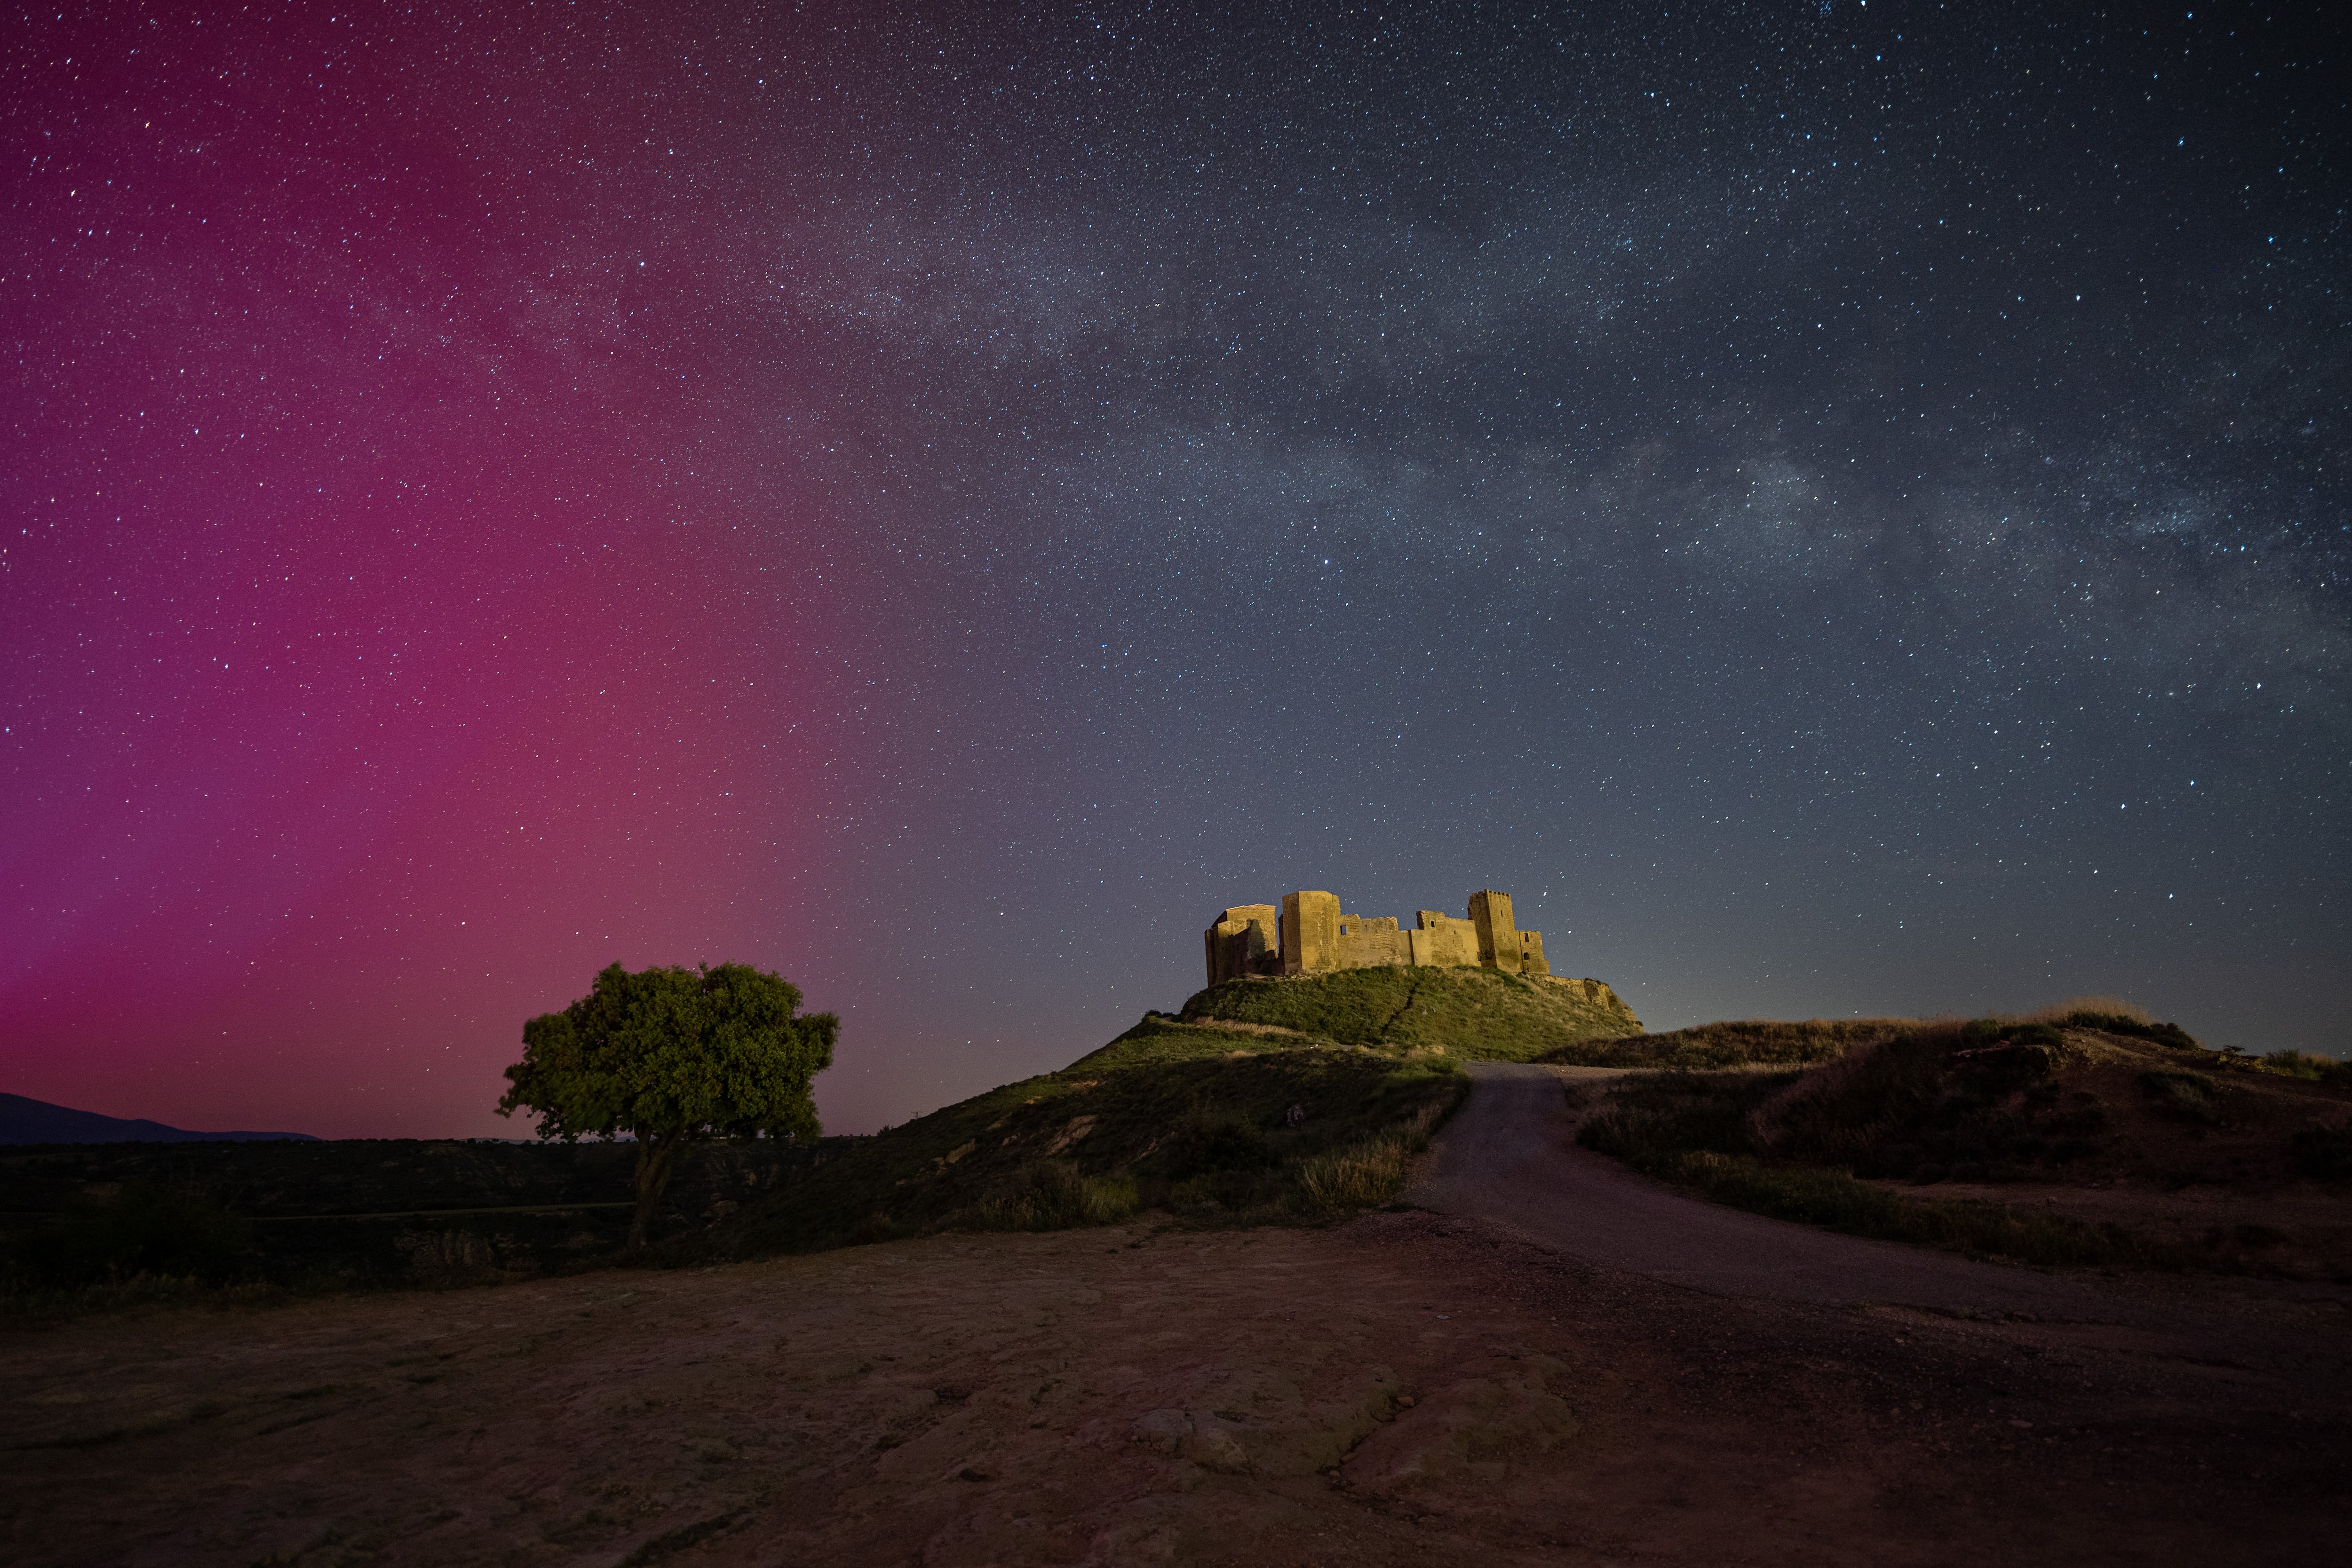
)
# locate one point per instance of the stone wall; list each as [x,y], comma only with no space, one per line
[1244,940]
[1310,935]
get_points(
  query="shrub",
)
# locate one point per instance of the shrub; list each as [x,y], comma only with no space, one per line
[1210,1141]
[2318,1069]
[143,1229]
[1372,1171]
[1050,1195]
[2170,1034]
[1369,1172]
[2105,1005]
[2189,1096]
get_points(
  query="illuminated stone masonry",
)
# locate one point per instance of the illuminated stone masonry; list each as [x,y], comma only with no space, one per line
[1308,935]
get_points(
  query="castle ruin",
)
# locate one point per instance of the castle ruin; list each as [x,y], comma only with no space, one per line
[1308,935]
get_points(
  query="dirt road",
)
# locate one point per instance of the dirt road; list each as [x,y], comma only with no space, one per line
[1509,1158]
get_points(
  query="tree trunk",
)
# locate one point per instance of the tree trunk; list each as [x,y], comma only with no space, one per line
[657,1157]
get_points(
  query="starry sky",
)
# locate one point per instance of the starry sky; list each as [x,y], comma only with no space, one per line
[1836,507]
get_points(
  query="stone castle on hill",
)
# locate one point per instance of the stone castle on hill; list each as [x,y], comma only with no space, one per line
[1308,935]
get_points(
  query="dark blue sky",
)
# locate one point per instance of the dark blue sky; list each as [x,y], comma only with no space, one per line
[1837,509]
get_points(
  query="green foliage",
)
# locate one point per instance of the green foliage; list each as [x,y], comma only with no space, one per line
[1474,1014]
[1736,1043]
[658,1051]
[143,1229]
[671,1055]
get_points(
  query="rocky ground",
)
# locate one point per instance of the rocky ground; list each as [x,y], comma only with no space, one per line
[1407,1388]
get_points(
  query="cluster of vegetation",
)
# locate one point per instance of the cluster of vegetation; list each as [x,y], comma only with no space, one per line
[1194,1120]
[2315,1069]
[1713,1133]
[92,1226]
[2135,1025]
[1739,1042]
[1985,1100]
[142,1228]
[141,1243]
[708,1071]
[2186,1096]
[1968,1102]
[673,1057]
[1474,1014]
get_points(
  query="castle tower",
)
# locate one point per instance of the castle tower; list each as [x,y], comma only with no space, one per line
[1498,939]
[1310,932]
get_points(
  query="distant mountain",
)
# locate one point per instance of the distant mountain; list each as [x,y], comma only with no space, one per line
[24,1121]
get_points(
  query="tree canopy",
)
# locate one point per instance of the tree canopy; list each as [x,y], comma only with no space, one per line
[671,1055]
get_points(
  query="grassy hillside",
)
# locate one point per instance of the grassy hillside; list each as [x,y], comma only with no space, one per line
[1187,1118]
[2082,1100]
[1189,1114]
[1740,1042]
[1471,1014]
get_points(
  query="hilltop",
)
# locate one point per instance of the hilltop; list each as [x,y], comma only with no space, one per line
[1477,1015]
[1192,1112]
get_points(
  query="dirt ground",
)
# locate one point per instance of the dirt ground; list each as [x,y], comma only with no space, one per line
[1406,1388]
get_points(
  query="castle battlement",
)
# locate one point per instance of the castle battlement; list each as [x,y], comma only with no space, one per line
[1309,935]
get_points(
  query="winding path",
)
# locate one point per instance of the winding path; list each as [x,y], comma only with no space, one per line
[1509,1158]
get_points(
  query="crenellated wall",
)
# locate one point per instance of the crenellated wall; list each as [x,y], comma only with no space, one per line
[1309,934]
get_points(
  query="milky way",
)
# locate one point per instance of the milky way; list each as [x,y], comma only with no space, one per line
[1837,509]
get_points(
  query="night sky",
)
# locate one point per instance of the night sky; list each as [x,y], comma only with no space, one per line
[1837,509]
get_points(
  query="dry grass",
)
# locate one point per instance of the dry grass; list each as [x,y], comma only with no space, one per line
[1050,1195]
[1370,1172]
[2059,1012]
[1736,1043]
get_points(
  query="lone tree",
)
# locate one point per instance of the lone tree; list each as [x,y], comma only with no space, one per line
[671,1056]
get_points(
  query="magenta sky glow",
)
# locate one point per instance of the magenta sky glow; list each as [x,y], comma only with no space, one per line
[392,654]
[1837,509]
